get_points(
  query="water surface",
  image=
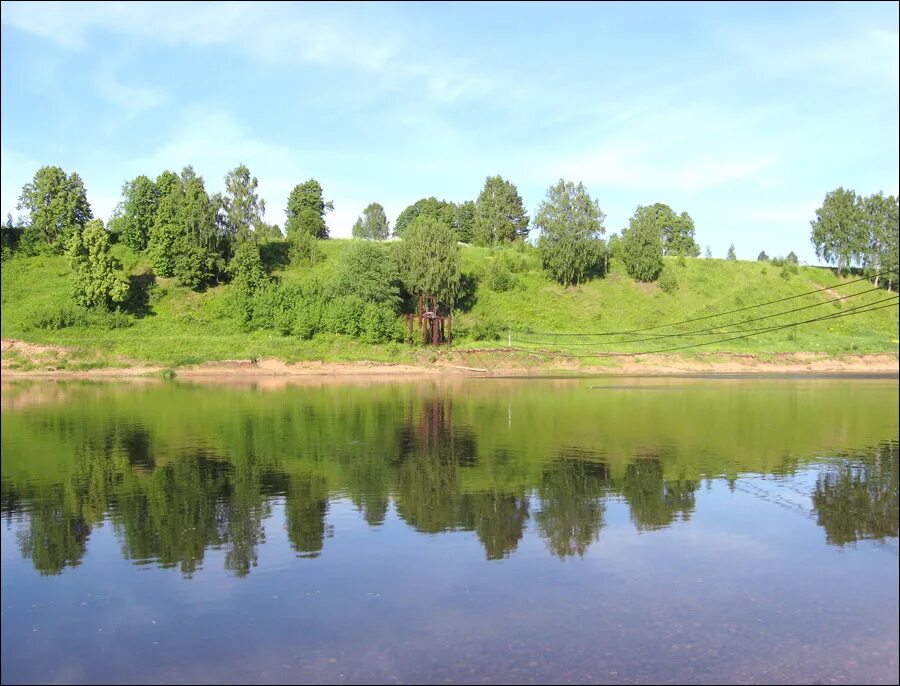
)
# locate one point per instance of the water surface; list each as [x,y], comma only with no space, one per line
[482,530]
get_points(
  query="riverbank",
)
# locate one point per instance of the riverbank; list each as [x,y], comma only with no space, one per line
[23,359]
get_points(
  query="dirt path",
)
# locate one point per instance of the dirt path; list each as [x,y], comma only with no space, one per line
[49,361]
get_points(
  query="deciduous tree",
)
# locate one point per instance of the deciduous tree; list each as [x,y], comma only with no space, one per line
[98,281]
[500,216]
[571,224]
[642,245]
[57,207]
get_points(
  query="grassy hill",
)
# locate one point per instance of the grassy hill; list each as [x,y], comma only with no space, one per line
[176,326]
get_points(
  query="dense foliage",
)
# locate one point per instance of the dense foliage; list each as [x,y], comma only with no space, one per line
[98,278]
[500,215]
[642,245]
[428,260]
[851,229]
[57,207]
[373,225]
[571,224]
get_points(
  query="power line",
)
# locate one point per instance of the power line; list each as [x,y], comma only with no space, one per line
[709,316]
[712,331]
[860,309]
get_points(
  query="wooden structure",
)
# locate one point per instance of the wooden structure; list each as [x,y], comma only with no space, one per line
[432,320]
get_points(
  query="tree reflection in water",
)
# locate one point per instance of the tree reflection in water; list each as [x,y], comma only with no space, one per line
[437,459]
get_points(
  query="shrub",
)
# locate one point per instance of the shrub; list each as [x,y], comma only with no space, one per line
[368,271]
[499,278]
[668,282]
[304,249]
[194,266]
[486,331]
[344,315]
[380,324]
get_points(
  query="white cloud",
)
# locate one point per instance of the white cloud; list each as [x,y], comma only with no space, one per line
[271,32]
[130,98]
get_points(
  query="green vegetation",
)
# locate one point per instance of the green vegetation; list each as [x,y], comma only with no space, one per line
[204,277]
[373,225]
[571,223]
[500,215]
[167,324]
[850,229]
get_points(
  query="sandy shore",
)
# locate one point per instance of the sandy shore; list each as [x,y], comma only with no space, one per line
[463,363]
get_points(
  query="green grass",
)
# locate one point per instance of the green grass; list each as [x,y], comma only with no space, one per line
[181,327]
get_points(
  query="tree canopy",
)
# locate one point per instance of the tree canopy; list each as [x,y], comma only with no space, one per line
[500,216]
[373,225]
[57,207]
[642,245]
[98,280]
[244,209]
[571,223]
[306,209]
[428,259]
[439,210]
[677,230]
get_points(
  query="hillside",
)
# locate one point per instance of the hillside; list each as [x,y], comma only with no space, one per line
[176,326]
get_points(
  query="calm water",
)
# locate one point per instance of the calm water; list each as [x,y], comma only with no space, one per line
[483,531]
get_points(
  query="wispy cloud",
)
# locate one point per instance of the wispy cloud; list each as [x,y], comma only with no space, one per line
[130,98]
[271,32]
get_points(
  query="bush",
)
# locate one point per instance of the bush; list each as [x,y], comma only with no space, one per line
[380,324]
[194,267]
[668,282]
[67,314]
[499,278]
[367,270]
[787,270]
[486,331]
[344,315]
[304,249]
[272,307]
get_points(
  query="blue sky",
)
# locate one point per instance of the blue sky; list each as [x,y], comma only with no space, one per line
[743,115]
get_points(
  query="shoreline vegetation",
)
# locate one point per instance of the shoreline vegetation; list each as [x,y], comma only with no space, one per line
[183,282]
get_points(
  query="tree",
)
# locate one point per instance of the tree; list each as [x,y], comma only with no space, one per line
[98,282]
[792,258]
[571,223]
[306,210]
[708,254]
[139,211]
[428,259]
[57,206]
[464,221]
[198,212]
[838,231]
[677,230]
[500,216]
[762,257]
[246,268]
[731,254]
[165,237]
[244,209]
[373,224]
[439,210]
[642,245]
[880,217]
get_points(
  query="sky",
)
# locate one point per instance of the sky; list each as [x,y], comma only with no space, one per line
[743,115]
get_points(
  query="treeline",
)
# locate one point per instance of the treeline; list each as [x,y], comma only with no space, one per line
[201,239]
